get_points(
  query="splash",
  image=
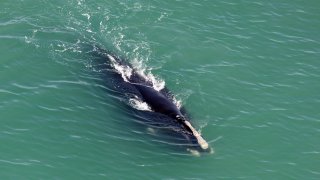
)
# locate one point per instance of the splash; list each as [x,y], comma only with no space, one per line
[125,71]
[177,102]
[157,83]
[139,105]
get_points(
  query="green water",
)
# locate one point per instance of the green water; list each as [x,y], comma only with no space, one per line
[247,71]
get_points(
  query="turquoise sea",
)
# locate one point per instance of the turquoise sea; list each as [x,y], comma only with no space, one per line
[248,72]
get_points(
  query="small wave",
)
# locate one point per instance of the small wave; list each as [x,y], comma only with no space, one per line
[79,82]
[8,92]
[16,162]
[25,87]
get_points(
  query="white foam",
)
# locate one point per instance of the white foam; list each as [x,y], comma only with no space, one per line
[138,104]
[86,15]
[125,71]
[194,152]
[177,102]
[157,83]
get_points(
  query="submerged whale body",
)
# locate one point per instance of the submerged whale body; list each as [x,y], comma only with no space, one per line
[158,100]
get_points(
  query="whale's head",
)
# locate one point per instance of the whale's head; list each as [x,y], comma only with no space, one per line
[203,144]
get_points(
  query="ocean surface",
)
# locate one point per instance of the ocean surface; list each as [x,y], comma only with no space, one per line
[248,73]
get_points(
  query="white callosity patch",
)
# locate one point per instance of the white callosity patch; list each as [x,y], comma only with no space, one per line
[203,144]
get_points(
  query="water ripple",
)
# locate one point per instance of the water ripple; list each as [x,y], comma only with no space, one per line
[16,162]
[8,92]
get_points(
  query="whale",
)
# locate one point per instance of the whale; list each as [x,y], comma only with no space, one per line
[160,101]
